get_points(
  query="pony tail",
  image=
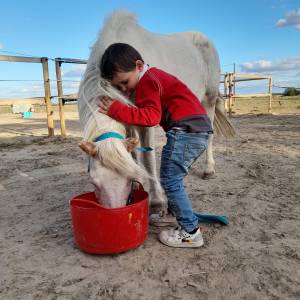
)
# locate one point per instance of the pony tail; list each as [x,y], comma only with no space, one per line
[222,125]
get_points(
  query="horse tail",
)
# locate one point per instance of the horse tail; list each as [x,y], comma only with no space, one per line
[222,125]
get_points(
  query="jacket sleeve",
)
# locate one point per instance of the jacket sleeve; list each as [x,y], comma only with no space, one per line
[148,110]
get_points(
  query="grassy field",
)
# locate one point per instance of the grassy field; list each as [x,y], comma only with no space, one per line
[280,105]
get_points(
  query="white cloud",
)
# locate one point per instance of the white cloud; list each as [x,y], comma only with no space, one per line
[1,46]
[70,85]
[24,90]
[292,63]
[76,71]
[284,73]
[292,18]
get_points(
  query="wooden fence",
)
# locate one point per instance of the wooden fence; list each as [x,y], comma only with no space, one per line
[44,62]
[58,62]
[230,80]
[47,93]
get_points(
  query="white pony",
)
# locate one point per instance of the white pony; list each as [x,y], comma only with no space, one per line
[191,57]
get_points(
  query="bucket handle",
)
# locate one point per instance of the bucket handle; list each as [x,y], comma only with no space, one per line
[140,188]
[130,196]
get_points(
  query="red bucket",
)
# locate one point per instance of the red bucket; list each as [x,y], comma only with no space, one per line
[103,230]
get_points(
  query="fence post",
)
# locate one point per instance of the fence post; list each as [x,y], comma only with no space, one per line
[233,88]
[60,95]
[225,84]
[270,95]
[225,91]
[50,123]
[230,94]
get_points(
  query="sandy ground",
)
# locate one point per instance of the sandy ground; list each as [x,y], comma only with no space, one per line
[257,256]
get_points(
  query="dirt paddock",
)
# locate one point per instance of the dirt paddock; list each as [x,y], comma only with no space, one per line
[257,256]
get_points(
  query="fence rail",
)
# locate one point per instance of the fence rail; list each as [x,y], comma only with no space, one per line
[230,81]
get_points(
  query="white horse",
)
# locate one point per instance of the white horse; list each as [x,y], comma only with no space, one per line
[190,56]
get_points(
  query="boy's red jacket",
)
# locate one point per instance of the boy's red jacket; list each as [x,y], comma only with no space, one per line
[163,99]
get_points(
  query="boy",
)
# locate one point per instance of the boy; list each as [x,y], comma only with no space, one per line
[161,98]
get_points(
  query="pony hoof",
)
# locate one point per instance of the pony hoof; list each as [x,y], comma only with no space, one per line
[209,175]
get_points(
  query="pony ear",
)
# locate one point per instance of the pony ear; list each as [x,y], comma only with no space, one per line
[88,147]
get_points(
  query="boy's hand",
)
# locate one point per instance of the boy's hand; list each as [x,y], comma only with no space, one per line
[104,104]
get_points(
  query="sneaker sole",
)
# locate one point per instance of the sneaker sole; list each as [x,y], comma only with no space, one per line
[183,245]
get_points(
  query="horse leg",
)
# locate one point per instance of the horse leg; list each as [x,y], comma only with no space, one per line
[209,170]
[210,104]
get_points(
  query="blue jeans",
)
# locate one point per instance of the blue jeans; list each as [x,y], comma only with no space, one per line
[178,155]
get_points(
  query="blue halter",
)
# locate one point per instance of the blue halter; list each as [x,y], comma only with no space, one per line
[115,135]
[107,135]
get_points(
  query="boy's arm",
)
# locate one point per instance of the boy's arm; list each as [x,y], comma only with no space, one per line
[148,110]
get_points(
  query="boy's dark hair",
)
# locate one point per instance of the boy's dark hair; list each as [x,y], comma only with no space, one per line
[118,57]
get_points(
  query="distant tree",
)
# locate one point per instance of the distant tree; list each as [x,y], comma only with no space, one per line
[291,91]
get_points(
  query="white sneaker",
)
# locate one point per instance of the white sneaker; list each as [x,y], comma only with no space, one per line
[179,238]
[162,219]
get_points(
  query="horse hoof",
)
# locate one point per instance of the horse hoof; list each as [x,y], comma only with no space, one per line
[208,175]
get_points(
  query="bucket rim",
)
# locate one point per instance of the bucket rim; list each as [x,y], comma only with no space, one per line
[98,205]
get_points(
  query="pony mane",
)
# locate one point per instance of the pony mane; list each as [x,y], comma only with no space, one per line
[111,152]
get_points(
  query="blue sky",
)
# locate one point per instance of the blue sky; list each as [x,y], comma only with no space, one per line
[259,36]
